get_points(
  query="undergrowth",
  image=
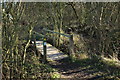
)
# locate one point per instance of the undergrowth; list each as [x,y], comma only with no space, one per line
[108,68]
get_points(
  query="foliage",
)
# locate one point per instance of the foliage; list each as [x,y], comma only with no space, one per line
[95,24]
[55,75]
[95,28]
[16,37]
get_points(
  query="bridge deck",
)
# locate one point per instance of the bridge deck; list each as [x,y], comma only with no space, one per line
[52,52]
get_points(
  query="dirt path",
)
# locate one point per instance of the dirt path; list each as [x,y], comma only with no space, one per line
[75,70]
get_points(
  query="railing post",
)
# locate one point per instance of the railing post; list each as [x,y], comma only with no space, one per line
[35,48]
[44,50]
[71,47]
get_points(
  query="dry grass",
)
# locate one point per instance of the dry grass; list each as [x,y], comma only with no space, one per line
[82,56]
[111,61]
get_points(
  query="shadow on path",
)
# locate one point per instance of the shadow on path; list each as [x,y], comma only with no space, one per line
[82,70]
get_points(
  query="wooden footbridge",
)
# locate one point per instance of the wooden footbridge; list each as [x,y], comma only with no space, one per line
[50,52]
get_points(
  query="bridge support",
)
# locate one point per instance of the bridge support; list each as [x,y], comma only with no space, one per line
[44,50]
[71,48]
[35,48]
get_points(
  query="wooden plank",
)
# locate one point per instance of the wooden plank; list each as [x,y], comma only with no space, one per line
[52,52]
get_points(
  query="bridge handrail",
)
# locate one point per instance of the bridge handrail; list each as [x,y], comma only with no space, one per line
[67,35]
[38,34]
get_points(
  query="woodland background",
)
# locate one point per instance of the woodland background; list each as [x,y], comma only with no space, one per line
[95,27]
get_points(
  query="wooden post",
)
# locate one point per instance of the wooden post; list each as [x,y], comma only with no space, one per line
[44,50]
[71,47]
[35,48]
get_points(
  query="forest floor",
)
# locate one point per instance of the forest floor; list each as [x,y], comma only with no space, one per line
[87,69]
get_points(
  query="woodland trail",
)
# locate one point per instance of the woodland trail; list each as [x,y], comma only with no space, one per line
[69,70]
[76,71]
